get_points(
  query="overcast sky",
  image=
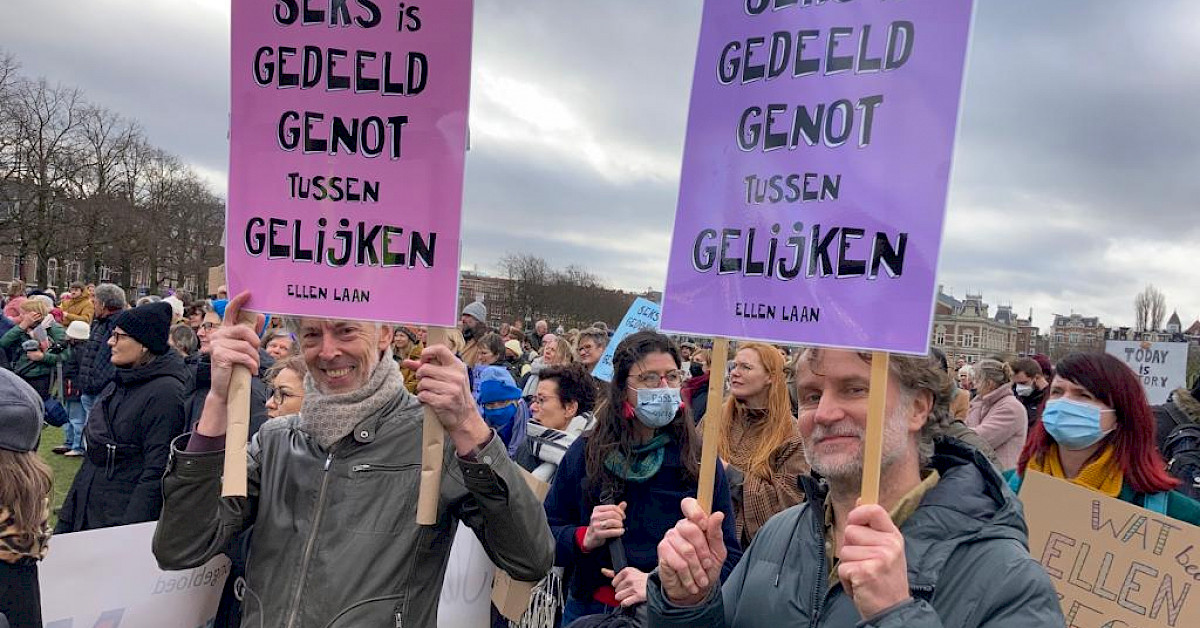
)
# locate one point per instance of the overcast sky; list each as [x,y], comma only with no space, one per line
[1077,172]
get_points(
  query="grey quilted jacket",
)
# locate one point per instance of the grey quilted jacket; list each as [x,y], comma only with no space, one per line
[966,549]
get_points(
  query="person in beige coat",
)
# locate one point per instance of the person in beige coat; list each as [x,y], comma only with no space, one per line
[996,414]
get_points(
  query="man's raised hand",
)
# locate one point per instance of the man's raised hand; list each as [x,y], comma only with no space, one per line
[690,556]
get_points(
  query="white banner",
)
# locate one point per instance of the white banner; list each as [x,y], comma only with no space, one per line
[1161,366]
[108,579]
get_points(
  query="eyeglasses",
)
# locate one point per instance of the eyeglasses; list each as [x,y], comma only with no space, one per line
[281,394]
[119,335]
[674,379]
[541,400]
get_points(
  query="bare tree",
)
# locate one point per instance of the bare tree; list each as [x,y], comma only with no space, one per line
[1149,307]
[44,156]
[79,183]
[531,277]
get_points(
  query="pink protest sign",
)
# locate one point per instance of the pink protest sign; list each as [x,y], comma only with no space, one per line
[815,171]
[347,142]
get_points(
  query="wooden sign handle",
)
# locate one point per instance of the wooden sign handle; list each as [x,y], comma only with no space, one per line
[876,411]
[433,447]
[237,430]
[712,421]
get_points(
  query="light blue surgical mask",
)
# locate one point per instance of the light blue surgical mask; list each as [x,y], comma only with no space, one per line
[1073,424]
[656,407]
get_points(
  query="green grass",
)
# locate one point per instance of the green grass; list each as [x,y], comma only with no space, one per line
[64,467]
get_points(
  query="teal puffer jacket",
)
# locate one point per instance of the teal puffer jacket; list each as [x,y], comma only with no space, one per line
[966,549]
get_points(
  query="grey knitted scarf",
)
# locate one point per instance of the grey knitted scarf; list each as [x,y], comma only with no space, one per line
[329,418]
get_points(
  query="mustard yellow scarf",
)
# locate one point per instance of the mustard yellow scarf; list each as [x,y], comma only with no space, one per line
[1102,474]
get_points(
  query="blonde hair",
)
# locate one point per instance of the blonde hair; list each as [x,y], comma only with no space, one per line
[779,425]
[25,483]
[566,353]
[34,305]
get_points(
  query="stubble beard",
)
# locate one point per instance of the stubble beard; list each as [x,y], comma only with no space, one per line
[844,471]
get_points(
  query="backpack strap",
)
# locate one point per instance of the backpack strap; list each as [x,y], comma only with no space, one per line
[1156,502]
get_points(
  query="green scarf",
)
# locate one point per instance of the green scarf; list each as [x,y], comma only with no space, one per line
[646,460]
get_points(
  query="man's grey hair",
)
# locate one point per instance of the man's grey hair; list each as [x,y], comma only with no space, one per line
[915,373]
[292,324]
[110,296]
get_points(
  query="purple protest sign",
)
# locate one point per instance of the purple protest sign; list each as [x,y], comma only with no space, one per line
[347,142]
[815,171]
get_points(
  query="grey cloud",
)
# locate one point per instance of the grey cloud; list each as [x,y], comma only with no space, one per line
[1076,130]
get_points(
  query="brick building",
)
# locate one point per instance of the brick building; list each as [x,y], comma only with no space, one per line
[1073,333]
[964,329]
[493,292]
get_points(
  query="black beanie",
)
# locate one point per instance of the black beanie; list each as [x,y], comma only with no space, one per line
[149,324]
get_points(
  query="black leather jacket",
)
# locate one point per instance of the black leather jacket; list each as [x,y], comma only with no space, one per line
[336,542]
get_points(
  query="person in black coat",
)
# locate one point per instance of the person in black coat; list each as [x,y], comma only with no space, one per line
[200,367]
[130,428]
[95,364]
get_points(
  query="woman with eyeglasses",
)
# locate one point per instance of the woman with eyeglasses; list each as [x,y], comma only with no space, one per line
[1097,431]
[201,367]
[562,410]
[760,440]
[285,386]
[131,426]
[625,480]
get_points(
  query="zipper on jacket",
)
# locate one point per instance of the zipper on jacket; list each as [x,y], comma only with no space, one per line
[312,540]
[818,600]
[367,468]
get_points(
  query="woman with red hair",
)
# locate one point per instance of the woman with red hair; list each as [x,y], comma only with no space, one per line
[1097,431]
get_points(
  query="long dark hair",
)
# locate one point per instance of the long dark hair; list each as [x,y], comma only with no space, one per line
[613,431]
[1113,383]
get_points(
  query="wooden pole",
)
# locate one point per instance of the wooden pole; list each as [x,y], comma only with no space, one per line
[433,448]
[712,421]
[237,431]
[876,411]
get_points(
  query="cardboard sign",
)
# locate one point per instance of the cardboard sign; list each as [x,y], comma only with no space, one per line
[109,575]
[815,172]
[79,589]
[1161,366]
[347,141]
[1114,564]
[643,314]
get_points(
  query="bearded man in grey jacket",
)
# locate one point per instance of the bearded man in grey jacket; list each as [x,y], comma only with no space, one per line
[332,491]
[945,546]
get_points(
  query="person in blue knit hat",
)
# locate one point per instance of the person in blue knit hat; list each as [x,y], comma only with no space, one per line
[502,408]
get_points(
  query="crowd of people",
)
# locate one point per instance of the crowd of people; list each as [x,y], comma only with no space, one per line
[335,456]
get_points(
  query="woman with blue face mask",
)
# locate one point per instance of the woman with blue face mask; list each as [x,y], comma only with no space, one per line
[625,479]
[1097,431]
[501,406]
